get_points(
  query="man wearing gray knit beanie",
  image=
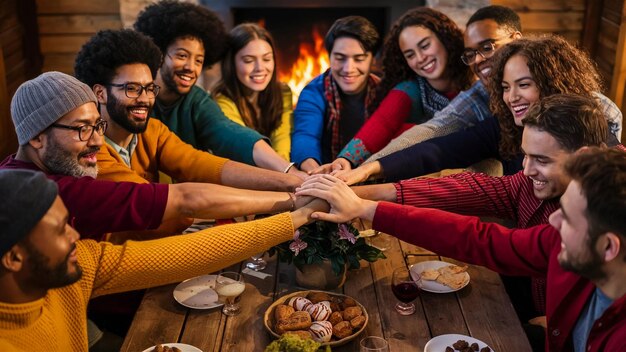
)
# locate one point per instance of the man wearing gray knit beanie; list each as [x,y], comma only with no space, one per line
[49,101]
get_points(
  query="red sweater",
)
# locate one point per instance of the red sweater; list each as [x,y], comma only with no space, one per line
[524,252]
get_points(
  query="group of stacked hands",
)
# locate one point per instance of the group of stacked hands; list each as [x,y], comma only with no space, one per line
[101,155]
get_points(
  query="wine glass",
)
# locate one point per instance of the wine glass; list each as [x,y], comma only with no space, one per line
[229,286]
[374,344]
[257,262]
[406,290]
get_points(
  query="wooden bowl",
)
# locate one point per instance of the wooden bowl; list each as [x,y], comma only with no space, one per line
[269,321]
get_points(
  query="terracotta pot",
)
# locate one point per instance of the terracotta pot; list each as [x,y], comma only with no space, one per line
[320,276]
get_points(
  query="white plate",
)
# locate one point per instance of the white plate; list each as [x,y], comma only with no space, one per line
[182,346]
[197,293]
[439,343]
[434,286]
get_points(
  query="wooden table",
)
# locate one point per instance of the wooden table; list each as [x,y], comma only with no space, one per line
[482,310]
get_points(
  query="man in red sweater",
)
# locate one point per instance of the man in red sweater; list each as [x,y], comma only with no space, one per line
[581,252]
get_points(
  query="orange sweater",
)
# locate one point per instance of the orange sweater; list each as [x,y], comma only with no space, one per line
[158,149]
[57,322]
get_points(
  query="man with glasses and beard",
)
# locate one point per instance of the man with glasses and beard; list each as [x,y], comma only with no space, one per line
[120,67]
[582,255]
[47,275]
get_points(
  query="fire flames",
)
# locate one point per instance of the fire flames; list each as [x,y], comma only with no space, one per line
[312,60]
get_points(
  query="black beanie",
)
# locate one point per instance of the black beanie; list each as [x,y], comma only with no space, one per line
[25,197]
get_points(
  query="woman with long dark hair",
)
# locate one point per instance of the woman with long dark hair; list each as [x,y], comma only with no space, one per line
[249,92]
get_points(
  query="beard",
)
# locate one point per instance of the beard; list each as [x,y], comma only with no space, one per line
[60,161]
[167,75]
[589,267]
[47,277]
[119,113]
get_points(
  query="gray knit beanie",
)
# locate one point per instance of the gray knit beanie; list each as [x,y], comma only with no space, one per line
[26,197]
[40,102]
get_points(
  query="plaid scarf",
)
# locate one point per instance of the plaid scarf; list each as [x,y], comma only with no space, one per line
[432,101]
[331,92]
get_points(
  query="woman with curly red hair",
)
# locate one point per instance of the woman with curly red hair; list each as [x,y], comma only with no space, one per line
[422,73]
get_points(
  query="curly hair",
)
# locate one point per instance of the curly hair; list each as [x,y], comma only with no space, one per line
[556,66]
[107,50]
[601,174]
[169,20]
[270,99]
[356,27]
[394,64]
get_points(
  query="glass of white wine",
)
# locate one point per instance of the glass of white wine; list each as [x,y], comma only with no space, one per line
[229,286]
[257,263]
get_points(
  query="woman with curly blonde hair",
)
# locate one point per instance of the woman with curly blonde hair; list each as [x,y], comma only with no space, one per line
[422,73]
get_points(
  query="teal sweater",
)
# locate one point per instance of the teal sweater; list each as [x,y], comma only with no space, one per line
[197,119]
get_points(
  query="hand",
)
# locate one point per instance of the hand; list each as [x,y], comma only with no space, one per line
[345,205]
[302,175]
[308,165]
[338,165]
[360,174]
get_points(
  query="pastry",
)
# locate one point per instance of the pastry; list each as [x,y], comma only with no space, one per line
[282,312]
[342,330]
[316,297]
[335,317]
[299,303]
[351,313]
[319,311]
[297,321]
[357,322]
[322,331]
[429,274]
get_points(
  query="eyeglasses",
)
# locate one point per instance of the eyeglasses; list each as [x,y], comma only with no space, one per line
[485,50]
[85,132]
[134,90]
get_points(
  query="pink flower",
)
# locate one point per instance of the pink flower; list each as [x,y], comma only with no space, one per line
[297,245]
[345,234]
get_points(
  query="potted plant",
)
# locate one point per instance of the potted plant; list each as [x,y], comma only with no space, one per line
[322,250]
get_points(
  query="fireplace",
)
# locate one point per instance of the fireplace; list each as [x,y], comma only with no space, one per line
[299,26]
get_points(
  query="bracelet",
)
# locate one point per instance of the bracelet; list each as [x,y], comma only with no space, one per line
[289,167]
[292,197]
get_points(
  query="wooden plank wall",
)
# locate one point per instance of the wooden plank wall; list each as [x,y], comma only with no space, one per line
[65,25]
[563,17]
[19,61]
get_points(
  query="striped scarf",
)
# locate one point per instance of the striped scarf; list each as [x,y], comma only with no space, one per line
[331,92]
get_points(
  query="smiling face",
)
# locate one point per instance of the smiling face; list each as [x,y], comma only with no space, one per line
[254,65]
[480,35]
[519,89]
[350,65]
[129,113]
[50,250]
[543,163]
[62,152]
[424,53]
[577,253]
[182,65]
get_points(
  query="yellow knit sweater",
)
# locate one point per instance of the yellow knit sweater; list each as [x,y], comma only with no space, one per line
[57,322]
[158,149]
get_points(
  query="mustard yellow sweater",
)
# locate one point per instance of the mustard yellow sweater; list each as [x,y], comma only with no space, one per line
[57,322]
[159,149]
[280,137]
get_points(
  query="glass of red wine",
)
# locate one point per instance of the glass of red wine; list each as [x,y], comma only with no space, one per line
[406,289]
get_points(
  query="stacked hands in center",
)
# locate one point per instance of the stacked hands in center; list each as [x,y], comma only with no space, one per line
[319,316]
